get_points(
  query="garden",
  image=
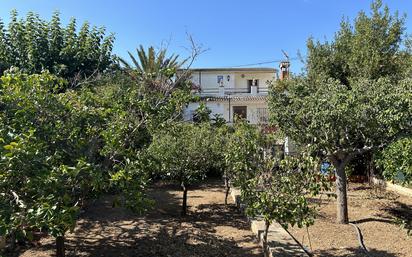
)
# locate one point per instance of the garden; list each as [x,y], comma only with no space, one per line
[96,159]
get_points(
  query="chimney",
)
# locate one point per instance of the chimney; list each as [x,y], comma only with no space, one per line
[284,70]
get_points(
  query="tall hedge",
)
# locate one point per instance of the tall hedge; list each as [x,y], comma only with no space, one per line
[34,44]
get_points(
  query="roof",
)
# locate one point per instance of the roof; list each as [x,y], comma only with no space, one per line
[243,69]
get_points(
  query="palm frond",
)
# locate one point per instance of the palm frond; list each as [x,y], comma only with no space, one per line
[135,62]
[142,57]
[151,62]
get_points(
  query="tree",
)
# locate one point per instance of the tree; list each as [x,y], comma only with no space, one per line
[137,104]
[34,44]
[202,113]
[152,65]
[339,123]
[81,141]
[242,152]
[272,187]
[182,154]
[395,161]
[279,191]
[407,57]
[161,85]
[48,164]
[352,98]
[370,48]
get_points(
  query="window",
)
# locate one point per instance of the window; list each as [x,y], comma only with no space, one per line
[250,83]
[253,82]
[262,115]
[220,79]
[240,112]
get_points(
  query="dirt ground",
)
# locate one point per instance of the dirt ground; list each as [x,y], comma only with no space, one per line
[375,212]
[210,229]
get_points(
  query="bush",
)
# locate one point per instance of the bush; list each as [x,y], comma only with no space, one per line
[395,161]
[48,156]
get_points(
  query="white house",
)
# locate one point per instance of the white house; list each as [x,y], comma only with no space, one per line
[233,91]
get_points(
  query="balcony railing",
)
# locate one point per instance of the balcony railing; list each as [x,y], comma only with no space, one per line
[221,91]
[237,90]
[212,91]
[263,90]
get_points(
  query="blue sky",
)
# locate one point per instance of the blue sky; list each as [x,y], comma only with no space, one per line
[236,32]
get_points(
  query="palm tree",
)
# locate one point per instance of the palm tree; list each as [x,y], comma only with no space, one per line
[151,64]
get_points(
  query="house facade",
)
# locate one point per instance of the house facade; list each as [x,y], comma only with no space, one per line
[231,92]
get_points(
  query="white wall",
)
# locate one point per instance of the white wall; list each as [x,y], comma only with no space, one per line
[262,77]
[238,79]
[208,80]
[215,107]
[223,109]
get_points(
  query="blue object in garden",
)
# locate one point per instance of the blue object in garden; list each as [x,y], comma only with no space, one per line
[400,176]
[324,168]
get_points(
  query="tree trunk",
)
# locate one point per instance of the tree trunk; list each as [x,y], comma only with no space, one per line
[184,204]
[227,187]
[13,240]
[341,193]
[60,251]
[265,238]
[371,167]
[2,242]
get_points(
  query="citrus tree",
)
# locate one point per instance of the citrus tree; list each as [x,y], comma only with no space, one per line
[243,151]
[280,188]
[339,123]
[81,141]
[48,165]
[354,97]
[273,187]
[182,154]
[396,161]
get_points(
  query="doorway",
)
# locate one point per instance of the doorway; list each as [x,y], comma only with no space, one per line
[240,112]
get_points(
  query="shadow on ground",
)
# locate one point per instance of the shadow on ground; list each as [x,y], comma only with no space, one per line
[353,252]
[107,231]
[165,243]
[401,214]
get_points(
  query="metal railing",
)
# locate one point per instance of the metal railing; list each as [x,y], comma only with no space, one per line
[232,91]
[263,90]
[237,90]
[210,91]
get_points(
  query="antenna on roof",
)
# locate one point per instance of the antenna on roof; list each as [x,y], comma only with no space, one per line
[285,54]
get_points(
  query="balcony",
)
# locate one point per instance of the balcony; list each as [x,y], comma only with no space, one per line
[241,91]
